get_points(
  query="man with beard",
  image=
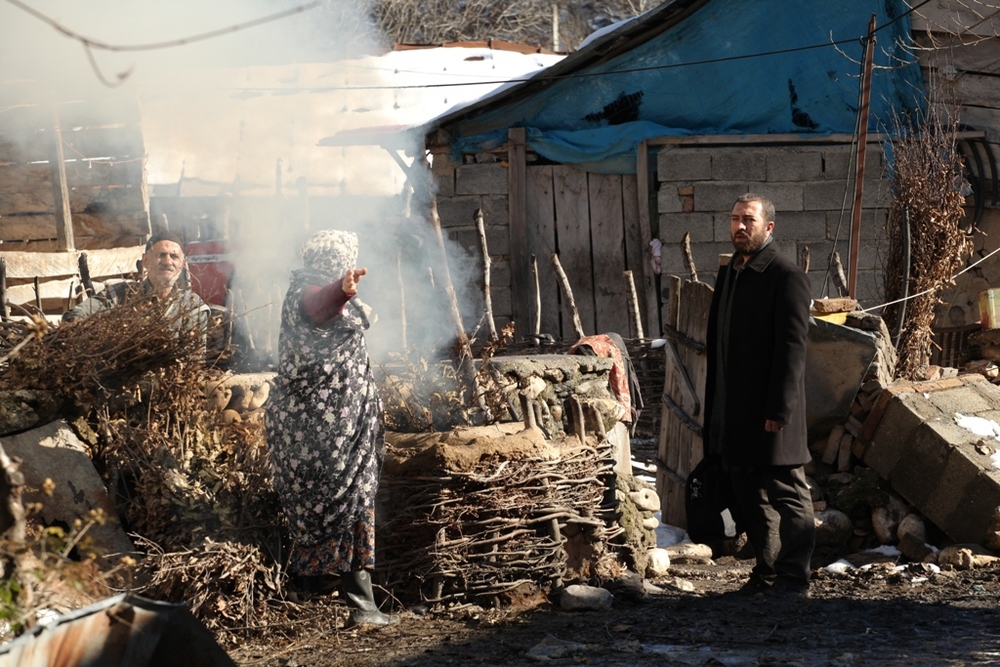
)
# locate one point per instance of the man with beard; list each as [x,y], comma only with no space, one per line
[164,263]
[755,399]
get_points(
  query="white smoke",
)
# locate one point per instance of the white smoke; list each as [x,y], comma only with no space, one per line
[239,117]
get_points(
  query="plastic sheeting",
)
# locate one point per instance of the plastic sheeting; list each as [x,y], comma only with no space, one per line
[707,76]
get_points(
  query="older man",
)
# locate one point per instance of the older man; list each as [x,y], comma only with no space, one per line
[164,263]
[755,398]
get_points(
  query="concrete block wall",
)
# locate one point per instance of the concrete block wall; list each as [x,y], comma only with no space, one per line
[812,195]
[482,183]
[913,441]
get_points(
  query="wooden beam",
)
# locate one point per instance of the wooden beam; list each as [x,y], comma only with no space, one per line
[521,292]
[60,189]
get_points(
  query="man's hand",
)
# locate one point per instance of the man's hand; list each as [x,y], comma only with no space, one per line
[772,426]
[351,280]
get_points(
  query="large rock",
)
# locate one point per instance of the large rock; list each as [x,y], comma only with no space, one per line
[53,452]
[25,409]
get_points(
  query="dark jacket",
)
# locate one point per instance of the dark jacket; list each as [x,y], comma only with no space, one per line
[765,369]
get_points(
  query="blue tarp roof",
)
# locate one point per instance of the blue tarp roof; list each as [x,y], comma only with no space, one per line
[720,67]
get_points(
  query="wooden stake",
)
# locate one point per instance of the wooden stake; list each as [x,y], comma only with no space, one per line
[537,330]
[60,189]
[804,259]
[568,291]
[449,288]
[481,228]
[859,172]
[38,296]
[402,297]
[4,308]
[633,302]
[689,258]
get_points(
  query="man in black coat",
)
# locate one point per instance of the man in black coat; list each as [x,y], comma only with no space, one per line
[755,413]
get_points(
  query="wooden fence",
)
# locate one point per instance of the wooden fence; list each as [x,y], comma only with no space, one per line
[680,442]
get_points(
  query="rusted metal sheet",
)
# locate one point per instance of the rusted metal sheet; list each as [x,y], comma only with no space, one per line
[122,631]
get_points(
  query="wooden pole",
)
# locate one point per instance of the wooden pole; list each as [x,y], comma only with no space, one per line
[517,204]
[402,297]
[38,296]
[60,188]
[449,288]
[568,291]
[859,174]
[537,330]
[481,228]
[689,258]
[646,235]
[4,308]
[633,302]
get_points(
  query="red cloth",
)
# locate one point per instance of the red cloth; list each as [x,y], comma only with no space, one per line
[322,304]
[603,346]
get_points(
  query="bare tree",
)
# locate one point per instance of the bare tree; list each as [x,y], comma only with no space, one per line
[523,21]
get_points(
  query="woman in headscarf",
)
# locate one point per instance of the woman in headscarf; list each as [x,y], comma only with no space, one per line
[324,424]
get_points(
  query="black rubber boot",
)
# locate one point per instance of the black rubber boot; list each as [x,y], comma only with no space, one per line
[356,589]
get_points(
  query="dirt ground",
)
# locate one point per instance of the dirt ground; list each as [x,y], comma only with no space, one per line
[871,617]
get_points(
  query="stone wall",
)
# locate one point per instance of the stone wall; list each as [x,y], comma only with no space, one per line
[812,194]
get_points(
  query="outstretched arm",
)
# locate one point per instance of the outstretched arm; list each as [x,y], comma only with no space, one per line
[324,303]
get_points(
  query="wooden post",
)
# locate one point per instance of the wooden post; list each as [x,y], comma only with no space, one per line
[449,288]
[633,302]
[4,307]
[537,330]
[38,296]
[689,257]
[859,174]
[568,291]
[402,297]
[517,216]
[481,228]
[645,229]
[60,188]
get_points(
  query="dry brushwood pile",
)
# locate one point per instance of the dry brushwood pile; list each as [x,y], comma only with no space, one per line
[927,243]
[194,489]
[492,513]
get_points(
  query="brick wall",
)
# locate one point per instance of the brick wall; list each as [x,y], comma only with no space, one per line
[810,187]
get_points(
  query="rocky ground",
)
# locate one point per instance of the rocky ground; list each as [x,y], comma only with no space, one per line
[876,616]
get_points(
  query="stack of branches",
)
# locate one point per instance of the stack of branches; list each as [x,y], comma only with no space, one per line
[477,535]
[194,489]
[927,242]
[421,396]
[197,491]
[89,360]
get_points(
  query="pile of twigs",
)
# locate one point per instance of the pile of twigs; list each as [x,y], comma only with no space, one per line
[194,490]
[90,359]
[198,493]
[477,535]
[927,241]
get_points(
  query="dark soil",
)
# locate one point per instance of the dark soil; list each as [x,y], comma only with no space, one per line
[873,617]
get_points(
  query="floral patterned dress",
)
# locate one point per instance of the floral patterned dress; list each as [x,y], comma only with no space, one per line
[326,435]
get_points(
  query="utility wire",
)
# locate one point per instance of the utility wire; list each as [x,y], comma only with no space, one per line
[934,289]
[153,46]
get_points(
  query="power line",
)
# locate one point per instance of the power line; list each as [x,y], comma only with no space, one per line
[153,46]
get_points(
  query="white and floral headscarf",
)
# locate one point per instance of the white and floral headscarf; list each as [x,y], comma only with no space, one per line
[331,251]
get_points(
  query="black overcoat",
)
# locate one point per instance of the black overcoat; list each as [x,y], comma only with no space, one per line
[765,371]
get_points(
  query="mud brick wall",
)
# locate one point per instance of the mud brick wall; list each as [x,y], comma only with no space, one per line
[812,193]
